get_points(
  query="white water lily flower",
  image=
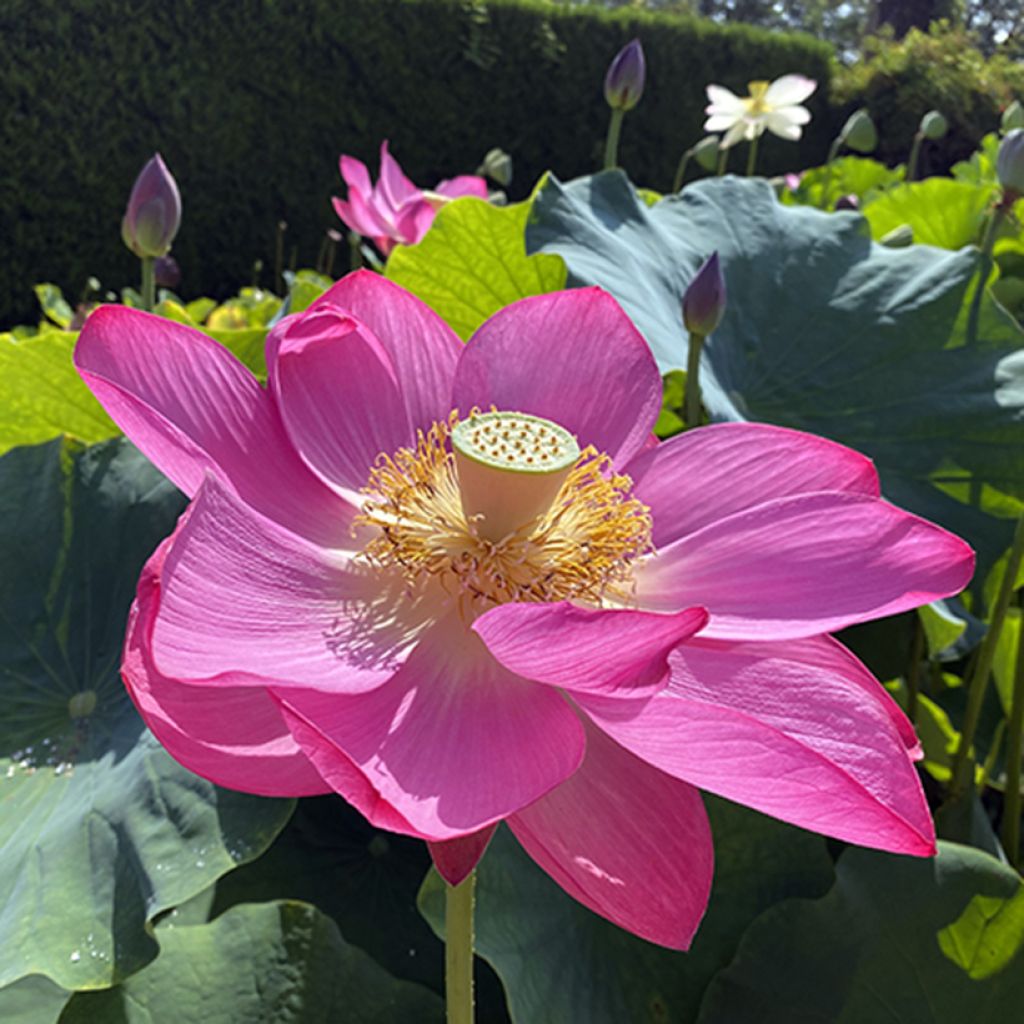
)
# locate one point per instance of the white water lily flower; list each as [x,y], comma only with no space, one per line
[772,105]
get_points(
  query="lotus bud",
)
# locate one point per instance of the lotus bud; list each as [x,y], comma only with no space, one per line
[706,152]
[704,301]
[1010,162]
[497,165]
[166,272]
[933,125]
[898,238]
[848,202]
[153,215]
[859,133]
[624,81]
[1013,117]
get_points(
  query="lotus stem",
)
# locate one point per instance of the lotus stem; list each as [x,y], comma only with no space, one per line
[984,270]
[723,159]
[458,950]
[684,160]
[963,763]
[611,142]
[1014,752]
[826,185]
[915,153]
[148,283]
[752,155]
[282,227]
[914,669]
[692,408]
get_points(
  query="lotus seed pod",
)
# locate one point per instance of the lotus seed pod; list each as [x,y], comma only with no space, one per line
[624,81]
[1010,161]
[1013,117]
[934,125]
[497,165]
[706,152]
[859,132]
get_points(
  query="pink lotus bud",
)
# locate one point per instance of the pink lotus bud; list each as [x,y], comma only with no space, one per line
[848,202]
[704,301]
[624,81]
[154,211]
[166,272]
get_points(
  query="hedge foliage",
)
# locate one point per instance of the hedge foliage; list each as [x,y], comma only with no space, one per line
[898,82]
[251,101]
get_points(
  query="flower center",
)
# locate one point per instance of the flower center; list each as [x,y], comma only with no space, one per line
[755,102]
[503,506]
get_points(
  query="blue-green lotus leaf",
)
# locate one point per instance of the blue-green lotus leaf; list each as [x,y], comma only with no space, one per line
[825,331]
[101,830]
[919,941]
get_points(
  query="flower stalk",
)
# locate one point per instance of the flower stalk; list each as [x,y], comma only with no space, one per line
[963,764]
[148,289]
[1014,752]
[752,156]
[988,242]
[611,142]
[692,410]
[458,950]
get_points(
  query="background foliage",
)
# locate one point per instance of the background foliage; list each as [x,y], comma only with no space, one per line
[251,101]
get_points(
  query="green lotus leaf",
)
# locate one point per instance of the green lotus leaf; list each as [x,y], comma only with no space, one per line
[281,962]
[919,941]
[561,963]
[472,262]
[101,830]
[41,394]
[824,331]
[849,175]
[941,212]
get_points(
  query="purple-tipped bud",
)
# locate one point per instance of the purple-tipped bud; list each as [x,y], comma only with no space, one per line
[704,301]
[624,82]
[166,272]
[154,211]
[848,202]
[1010,162]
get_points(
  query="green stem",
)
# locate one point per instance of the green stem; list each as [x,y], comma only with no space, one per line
[692,404]
[752,155]
[963,765]
[914,671]
[915,152]
[984,270]
[677,181]
[1014,756]
[826,185]
[355,254]
[458,950]
[723,159]
[611,142]
[148,284]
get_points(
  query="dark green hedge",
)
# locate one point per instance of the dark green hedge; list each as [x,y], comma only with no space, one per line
[251,101]
[898,82]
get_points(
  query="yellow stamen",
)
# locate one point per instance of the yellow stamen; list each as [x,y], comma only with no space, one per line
[581,548]
[755,102]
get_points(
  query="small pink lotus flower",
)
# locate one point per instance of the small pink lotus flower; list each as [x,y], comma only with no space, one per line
[461,584]
[395,211]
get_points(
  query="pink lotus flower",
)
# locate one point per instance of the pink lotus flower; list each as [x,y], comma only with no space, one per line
[395,211]
[348,604]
